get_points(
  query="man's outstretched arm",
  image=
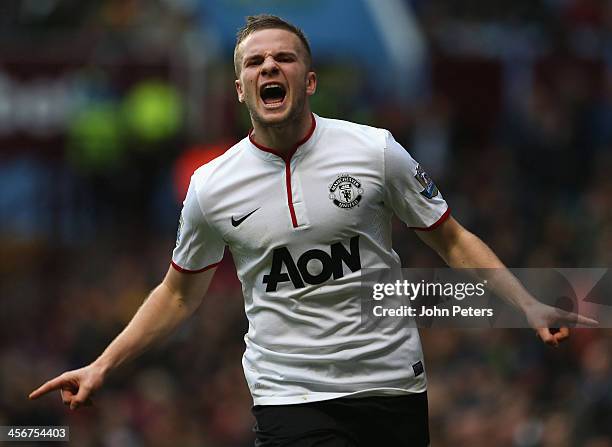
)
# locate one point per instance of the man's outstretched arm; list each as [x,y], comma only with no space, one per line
[168,305]
[461,249]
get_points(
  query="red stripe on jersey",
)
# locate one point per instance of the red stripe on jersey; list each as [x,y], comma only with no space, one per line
[183,270]
[289,194]
[287,159]
[436,224]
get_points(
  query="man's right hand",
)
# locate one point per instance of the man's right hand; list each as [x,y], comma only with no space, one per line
[76,387]
[169,304]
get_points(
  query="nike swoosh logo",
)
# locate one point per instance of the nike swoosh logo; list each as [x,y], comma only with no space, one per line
[236,222]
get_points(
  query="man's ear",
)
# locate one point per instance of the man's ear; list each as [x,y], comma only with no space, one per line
[239,90]
[311,83]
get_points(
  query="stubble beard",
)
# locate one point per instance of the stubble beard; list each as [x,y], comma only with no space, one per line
[292,117]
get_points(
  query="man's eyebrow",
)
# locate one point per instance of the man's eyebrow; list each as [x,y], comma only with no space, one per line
[285,53]
[256,56]
[251,57]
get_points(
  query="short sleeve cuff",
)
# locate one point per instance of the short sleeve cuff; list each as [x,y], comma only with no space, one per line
[184,270]
[436,224]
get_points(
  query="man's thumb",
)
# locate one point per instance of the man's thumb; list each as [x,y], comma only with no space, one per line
[80,398]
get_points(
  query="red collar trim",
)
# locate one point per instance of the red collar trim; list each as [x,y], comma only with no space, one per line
[292,151]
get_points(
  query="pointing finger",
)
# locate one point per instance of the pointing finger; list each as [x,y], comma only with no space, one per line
[571,317]
[54,384]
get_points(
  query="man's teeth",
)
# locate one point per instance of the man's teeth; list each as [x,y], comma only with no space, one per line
[276,96]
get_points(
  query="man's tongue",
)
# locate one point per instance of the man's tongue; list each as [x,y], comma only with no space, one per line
[273,100]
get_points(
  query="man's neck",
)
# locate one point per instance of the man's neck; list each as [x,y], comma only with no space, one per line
[282,139]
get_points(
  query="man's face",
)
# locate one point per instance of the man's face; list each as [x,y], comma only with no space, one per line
[274,80]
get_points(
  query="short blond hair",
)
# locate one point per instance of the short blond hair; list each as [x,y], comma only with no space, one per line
[267,21]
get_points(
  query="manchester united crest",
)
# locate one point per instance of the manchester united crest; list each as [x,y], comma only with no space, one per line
[346,191]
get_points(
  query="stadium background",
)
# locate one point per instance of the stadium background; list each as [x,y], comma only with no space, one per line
[106,107]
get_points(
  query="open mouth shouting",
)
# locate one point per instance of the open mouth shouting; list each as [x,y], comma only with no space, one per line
[272,95]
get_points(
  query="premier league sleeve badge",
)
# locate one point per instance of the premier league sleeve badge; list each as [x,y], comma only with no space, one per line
[429,187]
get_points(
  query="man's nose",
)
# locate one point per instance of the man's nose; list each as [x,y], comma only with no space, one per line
[269,66]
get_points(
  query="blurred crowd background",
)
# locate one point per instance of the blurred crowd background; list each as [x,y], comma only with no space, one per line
[107,107]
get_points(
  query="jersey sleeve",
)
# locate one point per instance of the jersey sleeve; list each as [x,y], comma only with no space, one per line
[409,191]
[198,246]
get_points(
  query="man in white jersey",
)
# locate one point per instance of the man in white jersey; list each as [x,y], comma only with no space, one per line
[304,203]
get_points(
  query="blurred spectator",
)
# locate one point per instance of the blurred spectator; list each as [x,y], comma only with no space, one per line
[529,173]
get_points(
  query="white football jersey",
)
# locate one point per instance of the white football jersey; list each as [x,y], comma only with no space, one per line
[300,230]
